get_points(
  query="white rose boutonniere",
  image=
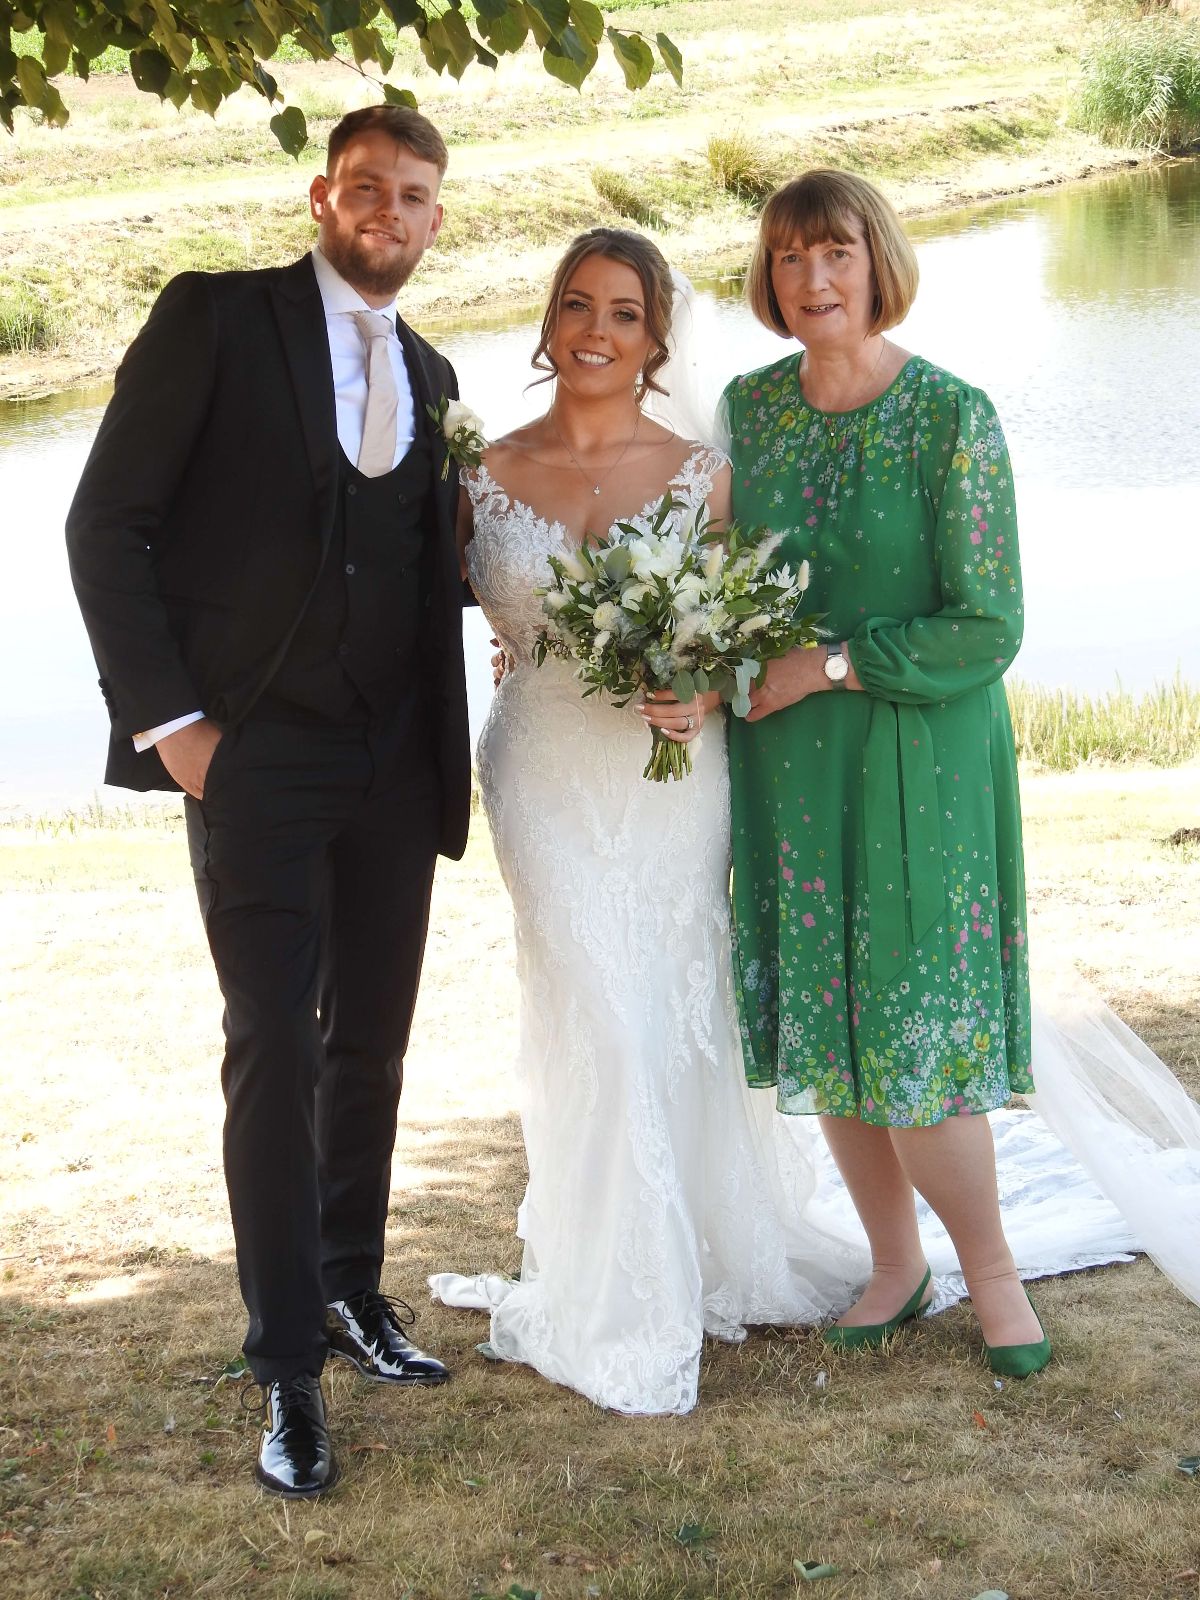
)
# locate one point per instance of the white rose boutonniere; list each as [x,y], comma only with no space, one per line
[462,431]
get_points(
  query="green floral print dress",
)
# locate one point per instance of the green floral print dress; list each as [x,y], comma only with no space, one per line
[878,880]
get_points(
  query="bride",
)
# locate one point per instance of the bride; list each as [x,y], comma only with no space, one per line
[666,1201]
[648,1220]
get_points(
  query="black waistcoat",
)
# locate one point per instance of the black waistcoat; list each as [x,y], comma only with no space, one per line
[351,654]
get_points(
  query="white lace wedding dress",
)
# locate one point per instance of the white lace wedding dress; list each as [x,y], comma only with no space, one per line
[648,1220]
[666,1200]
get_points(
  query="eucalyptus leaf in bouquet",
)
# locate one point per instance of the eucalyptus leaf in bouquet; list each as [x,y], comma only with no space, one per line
[684,605]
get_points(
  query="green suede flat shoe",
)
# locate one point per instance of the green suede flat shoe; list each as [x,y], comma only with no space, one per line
[1019,1360]
[872,1334]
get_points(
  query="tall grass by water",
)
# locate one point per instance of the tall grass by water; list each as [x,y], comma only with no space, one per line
[26,322]
[1141,84]
[1062,729]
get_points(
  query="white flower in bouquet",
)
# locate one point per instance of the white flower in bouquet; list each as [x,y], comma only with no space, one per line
[689,592]
[656,558]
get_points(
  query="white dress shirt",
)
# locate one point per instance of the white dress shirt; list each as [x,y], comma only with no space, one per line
[348,355]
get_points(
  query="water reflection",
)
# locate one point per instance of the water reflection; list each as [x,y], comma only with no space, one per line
[1078,310]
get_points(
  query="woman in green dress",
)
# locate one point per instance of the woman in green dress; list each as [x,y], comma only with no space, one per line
[879,894]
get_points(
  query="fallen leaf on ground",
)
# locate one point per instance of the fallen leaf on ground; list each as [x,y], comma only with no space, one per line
[362,1449]
[315,1535]
[693,1533]
[992,1594]
[978,1418]
[810,1571]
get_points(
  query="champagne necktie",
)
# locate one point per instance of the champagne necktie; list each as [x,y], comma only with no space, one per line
[378,448]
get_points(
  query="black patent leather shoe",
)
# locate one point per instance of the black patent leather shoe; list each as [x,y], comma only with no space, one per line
[368,1330]
[295,1458]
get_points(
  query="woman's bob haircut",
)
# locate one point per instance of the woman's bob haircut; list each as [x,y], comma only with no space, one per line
[826,204]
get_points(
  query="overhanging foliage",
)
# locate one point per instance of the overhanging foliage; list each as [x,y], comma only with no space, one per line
[204,51]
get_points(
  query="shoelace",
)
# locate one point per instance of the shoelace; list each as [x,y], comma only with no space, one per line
[394,1310]
[292,1391]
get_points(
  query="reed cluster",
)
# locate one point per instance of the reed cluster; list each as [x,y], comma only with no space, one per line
[1062,729]
[1141,84]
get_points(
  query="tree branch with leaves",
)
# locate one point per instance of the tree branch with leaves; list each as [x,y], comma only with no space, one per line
[203,51]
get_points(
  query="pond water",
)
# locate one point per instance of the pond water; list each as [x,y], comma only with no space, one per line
[1078,309]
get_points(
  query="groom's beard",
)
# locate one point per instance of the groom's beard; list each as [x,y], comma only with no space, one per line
[364,271]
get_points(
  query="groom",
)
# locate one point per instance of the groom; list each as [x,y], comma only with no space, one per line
[262,547]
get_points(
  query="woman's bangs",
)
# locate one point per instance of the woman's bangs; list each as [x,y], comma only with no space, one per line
[812,217]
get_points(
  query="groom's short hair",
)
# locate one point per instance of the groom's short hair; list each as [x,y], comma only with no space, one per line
[401,123]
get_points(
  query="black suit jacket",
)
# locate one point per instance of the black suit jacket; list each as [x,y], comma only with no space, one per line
[207,505]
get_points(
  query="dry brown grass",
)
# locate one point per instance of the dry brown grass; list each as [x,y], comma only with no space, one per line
[124,1463]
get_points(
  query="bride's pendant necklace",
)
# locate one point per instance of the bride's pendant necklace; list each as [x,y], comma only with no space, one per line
[596,483]
[826,417]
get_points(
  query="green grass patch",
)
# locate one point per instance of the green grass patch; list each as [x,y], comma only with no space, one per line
[1141,84]
[26,322]
[1062,729]
[924,144]
[626,198]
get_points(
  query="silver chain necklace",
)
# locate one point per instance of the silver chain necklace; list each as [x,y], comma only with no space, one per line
[608,471]
[825,416]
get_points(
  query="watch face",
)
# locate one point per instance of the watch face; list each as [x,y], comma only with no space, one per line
[836,667]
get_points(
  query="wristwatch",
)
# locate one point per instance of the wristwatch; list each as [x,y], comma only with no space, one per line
[836,665]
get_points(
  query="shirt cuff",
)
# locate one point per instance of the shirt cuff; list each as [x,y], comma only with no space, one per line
[147,740]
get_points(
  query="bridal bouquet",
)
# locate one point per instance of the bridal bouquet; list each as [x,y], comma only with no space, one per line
[688,608]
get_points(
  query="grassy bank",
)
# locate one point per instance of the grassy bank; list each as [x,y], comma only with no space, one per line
[940,102]
[124,1460]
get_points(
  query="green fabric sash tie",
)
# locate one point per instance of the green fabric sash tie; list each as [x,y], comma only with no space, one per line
[905,879]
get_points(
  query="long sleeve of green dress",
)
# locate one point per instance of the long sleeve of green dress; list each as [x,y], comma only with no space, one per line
[973,636]
[878,881]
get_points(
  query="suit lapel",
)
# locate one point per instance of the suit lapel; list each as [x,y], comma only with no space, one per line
[301,317]
[428,391]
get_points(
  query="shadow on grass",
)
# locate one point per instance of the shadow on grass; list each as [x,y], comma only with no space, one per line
[126,1455]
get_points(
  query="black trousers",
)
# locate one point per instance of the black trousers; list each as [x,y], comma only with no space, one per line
[313,851]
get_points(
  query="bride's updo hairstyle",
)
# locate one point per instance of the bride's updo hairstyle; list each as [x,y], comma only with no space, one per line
[658,293]
[826,204]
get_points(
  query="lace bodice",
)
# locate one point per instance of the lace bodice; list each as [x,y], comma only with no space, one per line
[507,557]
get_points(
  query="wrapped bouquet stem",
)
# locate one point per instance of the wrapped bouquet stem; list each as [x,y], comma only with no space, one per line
[679,605]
